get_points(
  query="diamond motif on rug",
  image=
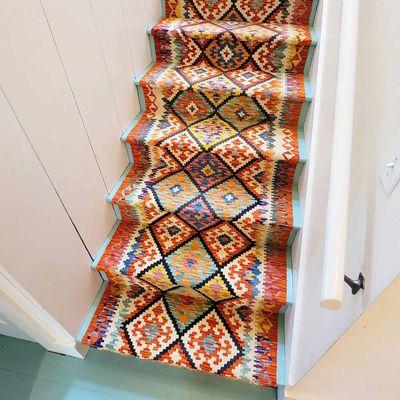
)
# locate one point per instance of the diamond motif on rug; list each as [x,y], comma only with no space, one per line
[229,199]
[218,89]
[267,56]
[255,176]
[226,52]
[236,153]
[198,72]
[254,34]
[191,264]
[186,305]
[182,146]
[158,276]
[257,10]
[141,254]
[192,107]
[151,332]
[203,31]
[224,241]
[216,289]
[176,356]
[209,344]
[212,9]
[248,77]
[244,274]
[242,112]
[170,232]
[198,214]
[207,170]
[211,131]
[175,190]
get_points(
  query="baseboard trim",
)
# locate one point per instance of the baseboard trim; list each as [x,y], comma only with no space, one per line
[92,310]
[293,395]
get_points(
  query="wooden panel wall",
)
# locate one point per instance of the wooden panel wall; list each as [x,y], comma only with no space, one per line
[39,245]
[66,74]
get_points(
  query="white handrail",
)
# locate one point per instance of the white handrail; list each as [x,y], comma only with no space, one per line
[339,183]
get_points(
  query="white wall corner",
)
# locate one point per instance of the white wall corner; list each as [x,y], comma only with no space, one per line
[22,310]
[72,349]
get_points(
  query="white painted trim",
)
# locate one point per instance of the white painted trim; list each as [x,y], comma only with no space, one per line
[339,180]
[29,316]
[293,395]
[308,248]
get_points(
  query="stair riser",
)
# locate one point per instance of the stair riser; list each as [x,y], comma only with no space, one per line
[276,233]
[268,106]
[263,305]
[140,265]
[271,221]
[278,144]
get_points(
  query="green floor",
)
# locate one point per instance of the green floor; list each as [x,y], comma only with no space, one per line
[28,372]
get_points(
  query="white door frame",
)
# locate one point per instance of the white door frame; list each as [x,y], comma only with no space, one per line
[19,307]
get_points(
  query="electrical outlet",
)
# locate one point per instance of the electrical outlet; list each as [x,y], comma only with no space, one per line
[390,175]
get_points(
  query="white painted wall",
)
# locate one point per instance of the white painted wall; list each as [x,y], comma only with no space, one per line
[365,362]
[39,246]
[372,231]
[378,141]
[67,94]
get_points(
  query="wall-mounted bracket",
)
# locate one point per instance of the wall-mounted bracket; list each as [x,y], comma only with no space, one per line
[355,285]
[390,175]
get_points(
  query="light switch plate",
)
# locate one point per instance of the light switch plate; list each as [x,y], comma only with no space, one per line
[390,175]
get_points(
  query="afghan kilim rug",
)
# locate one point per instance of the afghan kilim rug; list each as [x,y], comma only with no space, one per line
[197,267]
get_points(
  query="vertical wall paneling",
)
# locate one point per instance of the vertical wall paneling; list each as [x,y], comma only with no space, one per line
[152,9]
[74,31]
[39,246]
[138,15]
[112,33]
[35,83]
[67,94]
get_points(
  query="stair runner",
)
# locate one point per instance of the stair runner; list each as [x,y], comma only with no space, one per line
[197,267]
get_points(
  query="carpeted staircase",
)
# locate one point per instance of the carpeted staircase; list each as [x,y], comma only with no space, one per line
[198,266]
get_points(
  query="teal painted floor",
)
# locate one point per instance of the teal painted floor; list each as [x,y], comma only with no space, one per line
[28,372]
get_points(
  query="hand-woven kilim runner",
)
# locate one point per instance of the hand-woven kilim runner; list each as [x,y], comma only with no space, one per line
[197,267]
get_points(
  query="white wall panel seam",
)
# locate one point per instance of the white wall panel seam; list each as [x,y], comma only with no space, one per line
[74,97]
[44,170]
[105,64]
[127,37]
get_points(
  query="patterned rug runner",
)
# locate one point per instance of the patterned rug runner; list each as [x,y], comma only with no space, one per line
[197,267]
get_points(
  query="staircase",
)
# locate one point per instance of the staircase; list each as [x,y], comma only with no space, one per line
[197,269]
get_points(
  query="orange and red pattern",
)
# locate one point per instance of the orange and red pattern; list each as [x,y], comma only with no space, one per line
[197,266]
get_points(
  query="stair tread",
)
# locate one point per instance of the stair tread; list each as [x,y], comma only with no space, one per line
[206,198]
[253,31]
[226,267]
[290,11]
[220,87]
[262,140]
[231,44]
[240,342]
